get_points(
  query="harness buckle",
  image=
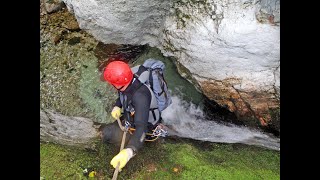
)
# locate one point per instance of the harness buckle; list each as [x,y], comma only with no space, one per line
[127,125]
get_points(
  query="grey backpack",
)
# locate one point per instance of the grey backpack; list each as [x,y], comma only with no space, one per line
[151,73]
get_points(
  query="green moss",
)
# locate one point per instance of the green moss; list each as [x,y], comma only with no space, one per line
[96,95]
[69,78]
[61,63]
[172,159]
[63,162]
[60,72]
[70,83]
[221,162]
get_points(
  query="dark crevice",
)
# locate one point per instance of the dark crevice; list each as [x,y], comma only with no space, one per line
[110,52]
[270,129]
[218,113]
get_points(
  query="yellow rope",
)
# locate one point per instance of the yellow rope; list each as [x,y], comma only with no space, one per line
[115,174]
[152,139]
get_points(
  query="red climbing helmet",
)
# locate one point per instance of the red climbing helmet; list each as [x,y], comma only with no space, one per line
[118,73]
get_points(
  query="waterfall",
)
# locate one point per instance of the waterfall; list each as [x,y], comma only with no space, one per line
[187,120]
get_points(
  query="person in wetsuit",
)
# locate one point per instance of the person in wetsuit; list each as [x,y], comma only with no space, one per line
[139,109]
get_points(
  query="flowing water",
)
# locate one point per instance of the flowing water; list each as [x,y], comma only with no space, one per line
[187,120]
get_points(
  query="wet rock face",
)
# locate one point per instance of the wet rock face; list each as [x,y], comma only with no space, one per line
[268,11]
[50,6]
[73,131]
[254,105]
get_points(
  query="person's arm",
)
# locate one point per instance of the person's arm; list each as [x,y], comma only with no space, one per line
[141,102]
[118,103]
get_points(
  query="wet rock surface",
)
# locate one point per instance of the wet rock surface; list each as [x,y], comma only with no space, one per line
[69,80]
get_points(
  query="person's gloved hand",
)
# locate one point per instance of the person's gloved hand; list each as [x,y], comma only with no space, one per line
[123,157]
[116,112]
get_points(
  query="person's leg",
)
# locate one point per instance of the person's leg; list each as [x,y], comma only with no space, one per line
[112,133]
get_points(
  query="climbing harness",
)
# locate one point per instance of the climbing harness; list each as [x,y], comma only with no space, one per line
[127,125]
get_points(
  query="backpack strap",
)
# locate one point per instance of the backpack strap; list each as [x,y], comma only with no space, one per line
[142,74]
[133,88]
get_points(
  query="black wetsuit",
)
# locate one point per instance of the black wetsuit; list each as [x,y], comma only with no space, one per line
[140,100]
